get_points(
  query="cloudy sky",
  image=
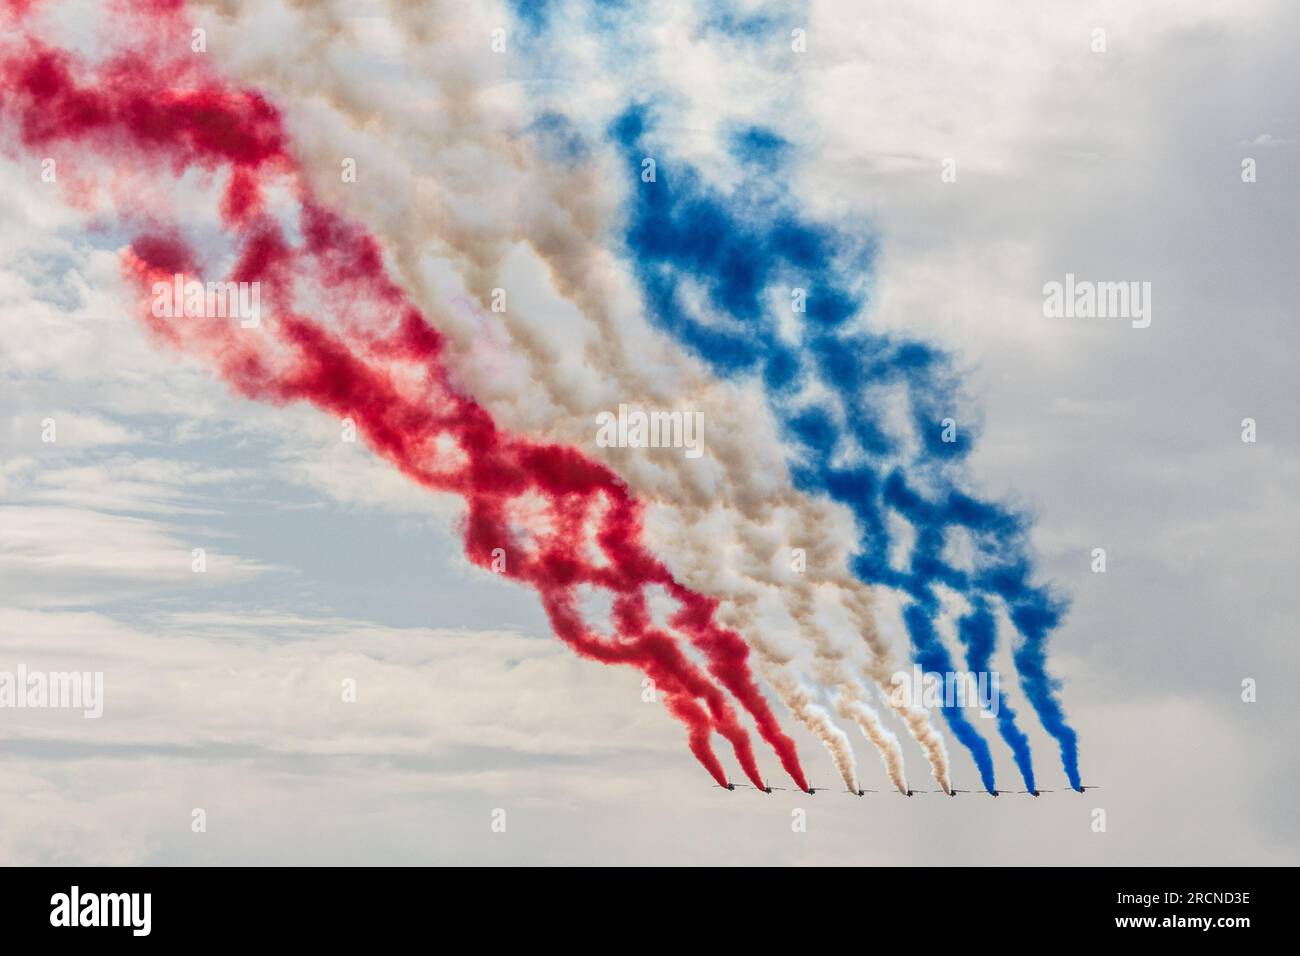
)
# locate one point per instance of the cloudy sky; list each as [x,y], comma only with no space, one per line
[222,689]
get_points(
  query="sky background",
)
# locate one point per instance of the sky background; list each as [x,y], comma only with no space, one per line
[222,689]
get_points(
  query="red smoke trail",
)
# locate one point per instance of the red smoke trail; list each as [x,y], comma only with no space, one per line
[381,367]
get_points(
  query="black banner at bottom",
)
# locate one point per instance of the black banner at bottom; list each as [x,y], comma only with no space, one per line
[920,907]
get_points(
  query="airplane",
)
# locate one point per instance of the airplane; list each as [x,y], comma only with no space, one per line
[912,793]
[768,788]
[1082,787]
[812,790]
[1034,793]
[729,786]
[953,793]
[858,793]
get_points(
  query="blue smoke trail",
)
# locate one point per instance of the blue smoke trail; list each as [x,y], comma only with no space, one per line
[978,632]
[738,250]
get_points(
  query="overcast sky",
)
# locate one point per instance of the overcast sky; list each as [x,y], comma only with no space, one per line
[222,689]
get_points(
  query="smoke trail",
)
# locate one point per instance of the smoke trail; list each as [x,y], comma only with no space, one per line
[913,716]
[563,235]
[885,741]
[978,631]
[851,702]
[718,237]
[678,232]
[798,699]
[144,111]
[485,253]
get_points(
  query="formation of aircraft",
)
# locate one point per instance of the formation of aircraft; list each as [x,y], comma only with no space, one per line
[768,788]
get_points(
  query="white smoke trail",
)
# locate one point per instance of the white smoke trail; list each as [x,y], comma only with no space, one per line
[798,699]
